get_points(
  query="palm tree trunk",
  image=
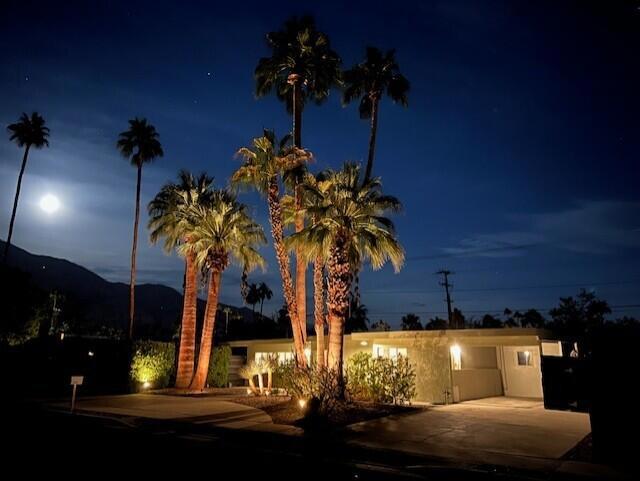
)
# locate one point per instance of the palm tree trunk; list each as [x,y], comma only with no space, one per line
[318,310]
[186,353]
[261,304]
[206,339]
[372,137]
[301,270]
[15,203]
[134,249]
[275,218]
[338,302]
[301,266]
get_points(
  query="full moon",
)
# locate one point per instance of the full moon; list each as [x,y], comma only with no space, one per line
[49,203]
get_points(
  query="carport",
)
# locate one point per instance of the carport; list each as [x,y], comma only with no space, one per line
[487,366]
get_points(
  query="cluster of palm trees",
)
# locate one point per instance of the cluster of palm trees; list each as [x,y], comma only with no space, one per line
[339,217]
[258,293]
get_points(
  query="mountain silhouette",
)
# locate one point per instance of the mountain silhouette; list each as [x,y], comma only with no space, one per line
[104,302]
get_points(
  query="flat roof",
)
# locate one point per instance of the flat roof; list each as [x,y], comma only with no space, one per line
[426,334]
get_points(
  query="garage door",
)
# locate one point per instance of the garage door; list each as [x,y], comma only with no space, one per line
[521,374]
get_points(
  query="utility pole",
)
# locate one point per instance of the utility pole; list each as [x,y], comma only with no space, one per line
[445,283]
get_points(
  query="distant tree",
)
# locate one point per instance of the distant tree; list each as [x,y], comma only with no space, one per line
[380,325]
[459,321]
[511,319]
[579,315]
[284,321]
[358,320]
[411,322]
[253,297]
[141,145]
[27,132]
[437,324]
[489,322]
[264,293]
[368,81]
[532,318]
[628,322]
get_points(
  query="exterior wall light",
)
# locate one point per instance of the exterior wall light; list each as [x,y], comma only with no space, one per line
[363,343]
[456,357]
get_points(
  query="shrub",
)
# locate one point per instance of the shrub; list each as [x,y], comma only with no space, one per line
[311,383]
[380,379]
[153,362]
[219,367]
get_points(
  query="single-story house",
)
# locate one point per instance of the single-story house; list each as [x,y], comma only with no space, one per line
[450,365]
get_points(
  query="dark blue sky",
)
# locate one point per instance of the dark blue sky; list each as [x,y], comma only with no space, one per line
[516,161]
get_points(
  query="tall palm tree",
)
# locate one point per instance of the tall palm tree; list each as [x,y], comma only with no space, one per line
[368,81]
[27,132]
[302,67]
[264,163]
[141,145]
[348,227]
[170,219]
[264,292]
[319,284]
[223,231]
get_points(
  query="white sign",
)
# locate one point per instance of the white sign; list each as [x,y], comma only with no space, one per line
[77,380]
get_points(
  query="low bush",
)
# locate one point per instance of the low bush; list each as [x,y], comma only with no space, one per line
[317,386]
[153,363]
[379,379]
[219,367]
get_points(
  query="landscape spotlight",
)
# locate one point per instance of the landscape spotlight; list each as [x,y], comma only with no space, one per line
[302,403]
[146,385]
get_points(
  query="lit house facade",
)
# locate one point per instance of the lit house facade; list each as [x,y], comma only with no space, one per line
[450,365]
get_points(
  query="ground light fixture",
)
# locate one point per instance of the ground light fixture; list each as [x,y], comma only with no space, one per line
[146,385]
[302,403]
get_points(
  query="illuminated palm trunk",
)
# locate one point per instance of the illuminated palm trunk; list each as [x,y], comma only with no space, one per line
[186,352]
[301,267]
[339,284]
[275,218]
[318,310]
[206,339]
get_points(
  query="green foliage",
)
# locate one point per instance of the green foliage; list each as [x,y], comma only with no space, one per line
[219,367]
[380,379]
[308,383]
[153,362]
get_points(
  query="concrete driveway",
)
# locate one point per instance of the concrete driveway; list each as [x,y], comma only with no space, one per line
[488,431]
[198,410]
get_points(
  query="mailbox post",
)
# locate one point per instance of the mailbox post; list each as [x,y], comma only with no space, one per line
[75,382]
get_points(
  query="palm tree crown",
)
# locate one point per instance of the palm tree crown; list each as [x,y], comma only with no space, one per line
[368,80]
[298,50]
[29,131]
[223,232]
[353,212]
[140,143]
[267,159]
[169,211]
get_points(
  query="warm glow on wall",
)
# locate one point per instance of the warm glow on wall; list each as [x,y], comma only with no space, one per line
[456,357]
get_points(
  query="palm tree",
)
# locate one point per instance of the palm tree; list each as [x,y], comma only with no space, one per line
[348,227]
[264,163]
[368,81]
[252,297]
[302,67]
[319,284]
[140,144]
[264,293]
[27,132]
[169,218]
[222,232]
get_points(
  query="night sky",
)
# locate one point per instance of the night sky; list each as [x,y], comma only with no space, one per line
[517,159]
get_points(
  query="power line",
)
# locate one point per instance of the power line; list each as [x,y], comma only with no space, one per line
[505,288]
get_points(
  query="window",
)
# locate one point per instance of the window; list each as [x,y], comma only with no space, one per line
[390,352]
[282,357]
[525,358]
